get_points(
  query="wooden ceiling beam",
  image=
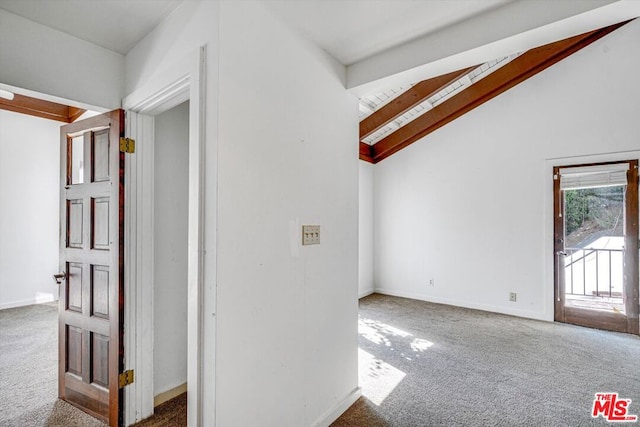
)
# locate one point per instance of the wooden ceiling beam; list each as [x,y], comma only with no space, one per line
[74,114]
[408,100]
[41,108]
[366,153]
[520,69]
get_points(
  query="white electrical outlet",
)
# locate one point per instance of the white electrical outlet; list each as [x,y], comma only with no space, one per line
[512,296]
[432,282]
[310,235]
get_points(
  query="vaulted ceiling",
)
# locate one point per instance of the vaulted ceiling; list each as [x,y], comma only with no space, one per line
[116,25]
[419,57]
[357,29]
[396,118]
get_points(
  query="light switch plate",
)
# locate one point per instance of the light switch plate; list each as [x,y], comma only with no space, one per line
[310,235]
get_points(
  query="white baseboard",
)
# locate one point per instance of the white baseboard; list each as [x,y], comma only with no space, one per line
[22,303]
[366,292]
[169,394]
[465,304]
[334,413]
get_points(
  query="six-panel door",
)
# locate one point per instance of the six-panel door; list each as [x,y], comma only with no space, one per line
[91,256]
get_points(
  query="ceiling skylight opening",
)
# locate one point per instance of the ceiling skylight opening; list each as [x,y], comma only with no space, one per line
[379,134]
[372,103]
[489,67]
[447,93]
[378,100]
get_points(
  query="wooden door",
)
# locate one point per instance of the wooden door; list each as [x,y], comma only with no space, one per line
[91,265]
[595,285]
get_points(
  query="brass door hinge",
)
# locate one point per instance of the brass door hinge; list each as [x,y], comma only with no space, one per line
[127,145]
[125,378]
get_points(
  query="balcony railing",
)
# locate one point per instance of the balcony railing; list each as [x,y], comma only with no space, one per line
[594,272]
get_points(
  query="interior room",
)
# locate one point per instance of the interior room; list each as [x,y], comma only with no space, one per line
[348,213]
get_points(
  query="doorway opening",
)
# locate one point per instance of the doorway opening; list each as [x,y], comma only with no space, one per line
[596,245]
[29,225]
[172,87]
[170,242]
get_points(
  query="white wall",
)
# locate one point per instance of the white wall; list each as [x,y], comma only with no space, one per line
[288,155]
[51,62]
[471,204]
[165,51]
[191,25]
[281,151]
[29,209]
[170,248]
[365,229]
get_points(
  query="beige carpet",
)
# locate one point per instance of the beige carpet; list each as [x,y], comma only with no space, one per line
[424,364]
[29,376]
[29,371]
[421,364]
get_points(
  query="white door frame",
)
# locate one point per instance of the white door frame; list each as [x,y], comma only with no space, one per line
[172,86]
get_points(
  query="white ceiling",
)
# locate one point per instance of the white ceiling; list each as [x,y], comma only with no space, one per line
[385,43]
[117,25]
[351,30]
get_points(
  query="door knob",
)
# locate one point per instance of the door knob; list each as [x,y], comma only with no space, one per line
[60,277]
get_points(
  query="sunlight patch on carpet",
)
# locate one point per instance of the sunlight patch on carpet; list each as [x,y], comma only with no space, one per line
[420,345]
[377,378]
[379,333]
